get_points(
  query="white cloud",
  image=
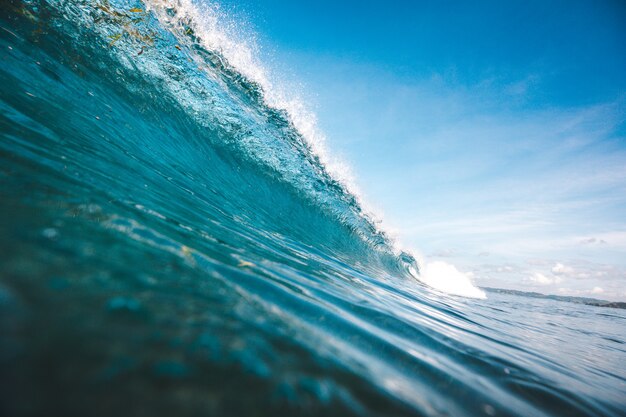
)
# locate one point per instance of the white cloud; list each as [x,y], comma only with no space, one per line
[542,279]
[574,277]
[597,290]
[539,278]
[560,269]
[582,293]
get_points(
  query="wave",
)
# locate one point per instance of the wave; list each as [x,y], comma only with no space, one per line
[205,37]
[206,22]
[191,55]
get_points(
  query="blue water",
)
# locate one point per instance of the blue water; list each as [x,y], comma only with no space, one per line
[173,244]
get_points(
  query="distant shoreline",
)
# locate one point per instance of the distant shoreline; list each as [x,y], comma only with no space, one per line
[578,300]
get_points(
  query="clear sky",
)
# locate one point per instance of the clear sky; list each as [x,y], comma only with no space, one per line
[491,135]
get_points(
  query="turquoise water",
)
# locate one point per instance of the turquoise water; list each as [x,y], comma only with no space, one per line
[174,244]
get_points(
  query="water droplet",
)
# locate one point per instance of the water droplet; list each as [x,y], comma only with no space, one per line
[489,410]
[50,233]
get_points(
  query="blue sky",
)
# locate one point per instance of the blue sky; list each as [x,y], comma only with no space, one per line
[491,136]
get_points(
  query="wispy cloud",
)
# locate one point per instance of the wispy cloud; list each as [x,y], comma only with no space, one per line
[574,277]
[560,269]
[541,279]
[464,170]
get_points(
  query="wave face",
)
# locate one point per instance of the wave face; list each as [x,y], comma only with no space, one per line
[176,242]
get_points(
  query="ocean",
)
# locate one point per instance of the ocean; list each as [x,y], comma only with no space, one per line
[176,240]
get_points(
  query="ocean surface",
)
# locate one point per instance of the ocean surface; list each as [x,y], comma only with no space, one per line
[175,242]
